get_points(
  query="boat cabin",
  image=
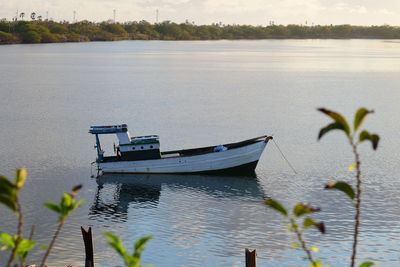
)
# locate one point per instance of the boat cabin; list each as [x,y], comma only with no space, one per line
[129,148]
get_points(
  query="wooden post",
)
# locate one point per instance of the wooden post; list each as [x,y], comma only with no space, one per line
[88,241]
[251,258]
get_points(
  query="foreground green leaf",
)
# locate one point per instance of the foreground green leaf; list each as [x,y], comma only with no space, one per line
[7,241]
[342,186]
[66,206]
[316,264]
[53,206]
[360,116]
[115,243]
[310,222]
[337,118]
[6,186]
[139,245]
[296,245]
[24,246]
[276,206]
[374,138]
[367,264]
[8,203]
[20,177]
[130,260]
[301,209]
[330,127]
[79,203]
[8,193]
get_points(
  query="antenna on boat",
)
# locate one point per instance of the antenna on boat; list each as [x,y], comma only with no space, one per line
[287,161]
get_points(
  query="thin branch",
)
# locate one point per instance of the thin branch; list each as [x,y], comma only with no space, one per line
[19,233]
[32,232]
[358,204]
[30,238]
[302,242]
[60,225]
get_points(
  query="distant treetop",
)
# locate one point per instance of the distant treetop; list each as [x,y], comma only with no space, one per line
[48,31]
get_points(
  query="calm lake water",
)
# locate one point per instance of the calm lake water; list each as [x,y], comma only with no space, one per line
[196,94]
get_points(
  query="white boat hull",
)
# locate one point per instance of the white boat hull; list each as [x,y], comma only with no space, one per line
[240,158]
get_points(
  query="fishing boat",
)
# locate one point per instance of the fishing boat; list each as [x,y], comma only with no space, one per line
[141,154]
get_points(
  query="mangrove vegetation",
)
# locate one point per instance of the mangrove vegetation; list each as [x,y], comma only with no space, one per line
[48,31]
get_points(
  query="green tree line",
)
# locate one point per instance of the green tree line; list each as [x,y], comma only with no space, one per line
[38,31]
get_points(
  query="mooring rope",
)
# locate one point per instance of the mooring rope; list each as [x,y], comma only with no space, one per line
[287,161]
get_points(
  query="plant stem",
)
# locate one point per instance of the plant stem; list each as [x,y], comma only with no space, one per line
[60,225]
[30,238]
[302,242]
[32,232]
[358,204]
[19,233]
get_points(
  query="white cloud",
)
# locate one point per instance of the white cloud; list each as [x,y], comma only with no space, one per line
[273,6]
[261,11]
[384,11]
[351,8]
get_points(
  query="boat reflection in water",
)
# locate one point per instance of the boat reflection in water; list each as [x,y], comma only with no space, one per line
[116,193]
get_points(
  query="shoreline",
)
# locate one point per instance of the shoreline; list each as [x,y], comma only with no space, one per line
[29,32]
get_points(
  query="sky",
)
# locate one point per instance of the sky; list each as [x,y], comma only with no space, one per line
[250,12]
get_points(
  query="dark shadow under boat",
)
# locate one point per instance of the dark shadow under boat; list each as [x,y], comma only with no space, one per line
[116,192]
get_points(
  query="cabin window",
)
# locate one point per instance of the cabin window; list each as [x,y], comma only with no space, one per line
[133,148]
[142,147]
[151,146]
